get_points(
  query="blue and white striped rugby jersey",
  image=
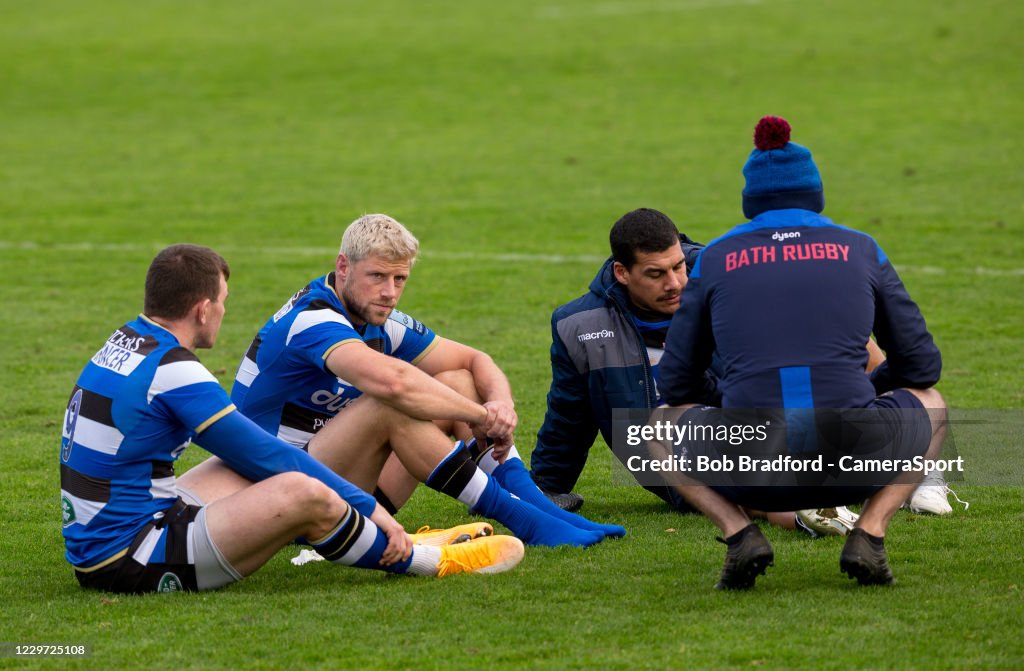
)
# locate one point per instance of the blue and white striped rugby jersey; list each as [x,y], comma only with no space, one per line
[137,405]
[283,383]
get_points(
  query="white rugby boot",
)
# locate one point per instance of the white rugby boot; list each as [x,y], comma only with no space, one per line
[932,496]
[818,522]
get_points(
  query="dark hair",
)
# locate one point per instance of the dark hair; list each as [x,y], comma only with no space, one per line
[179,277]
[644,230]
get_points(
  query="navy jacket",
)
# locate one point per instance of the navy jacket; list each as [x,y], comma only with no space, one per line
[787,302]
[598,362]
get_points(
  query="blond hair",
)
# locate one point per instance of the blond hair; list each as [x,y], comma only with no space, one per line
[378,235]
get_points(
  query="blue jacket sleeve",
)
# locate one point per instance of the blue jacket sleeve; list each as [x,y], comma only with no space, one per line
[689,347]
[912,358]
[257,455]
[569,428]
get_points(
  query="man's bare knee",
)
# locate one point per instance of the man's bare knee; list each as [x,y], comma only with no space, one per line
[305,498]
[938,414]
[382,413]
[930,398]
[461,380]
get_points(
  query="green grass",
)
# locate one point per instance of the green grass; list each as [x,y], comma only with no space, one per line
[505,135]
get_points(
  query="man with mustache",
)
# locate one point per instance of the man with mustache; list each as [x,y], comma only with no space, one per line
[606,347]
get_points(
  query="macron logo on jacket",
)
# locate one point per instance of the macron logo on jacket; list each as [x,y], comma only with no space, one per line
[595,335]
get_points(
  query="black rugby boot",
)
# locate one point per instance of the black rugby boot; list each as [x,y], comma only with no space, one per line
[749,555]
[864,558]
[570,501]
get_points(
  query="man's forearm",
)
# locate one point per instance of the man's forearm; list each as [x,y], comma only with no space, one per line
[421,396]
[491,382]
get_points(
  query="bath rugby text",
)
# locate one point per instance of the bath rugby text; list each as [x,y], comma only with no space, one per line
[799,252]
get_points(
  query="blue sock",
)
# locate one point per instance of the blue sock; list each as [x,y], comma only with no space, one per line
[530,525]
[458,476]
[513,476]
[357,541]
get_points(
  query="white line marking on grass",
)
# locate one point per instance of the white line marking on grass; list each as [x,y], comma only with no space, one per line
[557,12]
[323,252]
[478,257]
[516,257]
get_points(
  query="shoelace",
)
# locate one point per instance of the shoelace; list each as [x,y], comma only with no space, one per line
[846,517]
[802,526]
[451,562]
[445,565]
[965,504]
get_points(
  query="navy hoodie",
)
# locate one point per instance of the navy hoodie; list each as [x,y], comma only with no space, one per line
[789,300]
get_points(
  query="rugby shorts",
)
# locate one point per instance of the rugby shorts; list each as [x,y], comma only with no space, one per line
[894,425]
[171,554]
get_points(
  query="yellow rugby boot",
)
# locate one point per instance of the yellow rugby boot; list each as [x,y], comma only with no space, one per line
[459,534]
[490,554]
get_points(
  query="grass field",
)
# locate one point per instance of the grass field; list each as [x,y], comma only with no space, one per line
[508,137]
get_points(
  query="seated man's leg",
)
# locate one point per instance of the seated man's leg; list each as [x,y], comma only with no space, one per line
[246,528]
[199,547]
[210,480]
[356,442]
[248,523]
[512,473]
[358,439]
[251,525]
[513,476]
[396,485]
[460,380]
[393,486]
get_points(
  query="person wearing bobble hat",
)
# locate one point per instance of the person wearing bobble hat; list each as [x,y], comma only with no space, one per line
[787,301]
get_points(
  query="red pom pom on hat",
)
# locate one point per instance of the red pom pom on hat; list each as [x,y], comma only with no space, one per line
[772,132]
